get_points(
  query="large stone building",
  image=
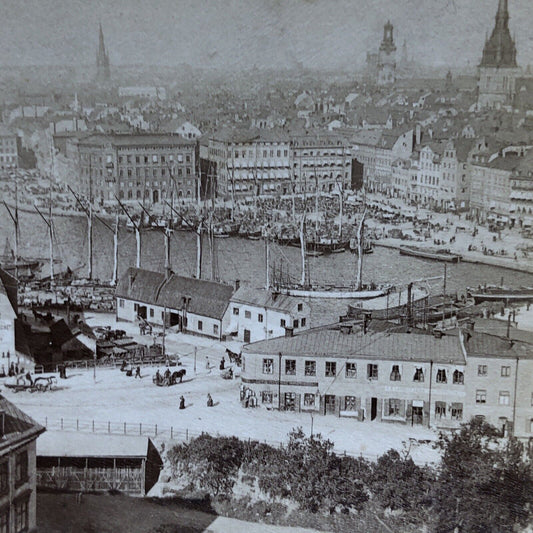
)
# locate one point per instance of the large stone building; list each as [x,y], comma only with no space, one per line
[386,67]
[498,69]
[149,167]
[9,148]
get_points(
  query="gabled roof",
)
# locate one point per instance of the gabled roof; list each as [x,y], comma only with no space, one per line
[205,298]
[487,345]
[392,346]
[18,426]
[265,299]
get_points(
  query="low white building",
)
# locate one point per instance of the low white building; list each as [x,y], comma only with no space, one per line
[258,314]
[190,305]
[8,316]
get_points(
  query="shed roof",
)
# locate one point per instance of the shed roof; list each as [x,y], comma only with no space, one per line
[77,444]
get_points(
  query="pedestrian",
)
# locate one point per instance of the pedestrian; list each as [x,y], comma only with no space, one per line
[222,364]
[138,372]
[209,400]
[207,367]
[182,402]
[17,369]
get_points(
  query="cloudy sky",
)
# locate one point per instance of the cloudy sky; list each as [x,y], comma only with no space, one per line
[241,33]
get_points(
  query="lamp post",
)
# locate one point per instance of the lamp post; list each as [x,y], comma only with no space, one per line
[279,381]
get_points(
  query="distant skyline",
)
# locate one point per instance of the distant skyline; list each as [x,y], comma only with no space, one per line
[237,34]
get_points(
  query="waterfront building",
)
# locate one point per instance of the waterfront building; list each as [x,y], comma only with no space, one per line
[258,314]
[426,176]
[321,161]
[9,148]
[521,195]
[396,374]
[148,167]
[401,375]
[498,69]
[250,162]
[103,71]
[191,305]
[18,496]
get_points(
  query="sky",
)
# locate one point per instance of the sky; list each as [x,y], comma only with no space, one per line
[236,34]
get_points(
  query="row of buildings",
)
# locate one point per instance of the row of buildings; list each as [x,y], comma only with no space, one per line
[392,373]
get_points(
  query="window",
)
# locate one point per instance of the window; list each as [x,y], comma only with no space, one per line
[247,314]
[457,411]
[441,376]
[236,311]
[259,317]
[440,409]
[310,368]
[21,515]
[504,398]
[121,302]
[309,399]
[303,321]
[481,396]
[372,371]
[419,375]
[331,369]
[266,396]
[21,468]
[300,307]
[350,403]
[481,370]
[506,371]
[268,366]
[200,325]
[295,324]
[351,370]
[151,312]
[282,322]
[4,478]
[458,377]
[392,407]
[290,367]
[215,329]
[395,373]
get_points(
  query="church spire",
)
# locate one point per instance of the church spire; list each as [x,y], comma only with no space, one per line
[102,59]
[500,50]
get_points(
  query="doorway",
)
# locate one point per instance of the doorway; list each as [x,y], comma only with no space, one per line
[155,196]
[417,415]
[329,401]
[373,408]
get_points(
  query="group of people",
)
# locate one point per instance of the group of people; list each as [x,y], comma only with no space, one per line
[210,402]
[247,396]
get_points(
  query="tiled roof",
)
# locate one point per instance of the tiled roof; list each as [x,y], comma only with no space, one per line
[206,298]
[487,345]
[396,346]
[145,139]
[17,424]
[265,299]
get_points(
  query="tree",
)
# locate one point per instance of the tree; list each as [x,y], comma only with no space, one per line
[485,483]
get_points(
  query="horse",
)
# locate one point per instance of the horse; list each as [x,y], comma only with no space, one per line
[178,375]
[234,357]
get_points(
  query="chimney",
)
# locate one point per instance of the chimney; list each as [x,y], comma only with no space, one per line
[237,284]
[366,320]
[289,332]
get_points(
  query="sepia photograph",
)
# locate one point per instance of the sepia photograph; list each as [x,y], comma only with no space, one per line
[265,266]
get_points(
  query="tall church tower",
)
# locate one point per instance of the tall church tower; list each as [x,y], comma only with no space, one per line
[103,74]
[498,69]
[386,74]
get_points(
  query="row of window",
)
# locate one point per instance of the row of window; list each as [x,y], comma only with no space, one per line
[372,371]
[283,323]
[153,159]
[21,472]
[505,371]
[504,397]
[20,519]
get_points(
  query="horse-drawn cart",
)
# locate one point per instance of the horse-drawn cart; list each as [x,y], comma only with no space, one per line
[40,384]
[167,379]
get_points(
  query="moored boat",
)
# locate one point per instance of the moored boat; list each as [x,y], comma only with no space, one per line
[494,293]
[436,254]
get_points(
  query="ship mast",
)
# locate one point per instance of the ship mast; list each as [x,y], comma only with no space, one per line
[360,230]
[15,218]
[137,228]
[303,280]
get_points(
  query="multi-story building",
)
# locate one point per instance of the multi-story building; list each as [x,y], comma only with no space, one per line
[490,183]
[410,377]
[145,167]
[258,314]
[9,148]
[498,69]
[521,196]
[250,162]
[426,176]
[406,376]
[18,496]
[320,161]
[456,171]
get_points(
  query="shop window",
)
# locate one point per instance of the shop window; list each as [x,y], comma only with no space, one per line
[440,409]
[310,368]
[392,407]
[309,399]
[350,403]
[266,397]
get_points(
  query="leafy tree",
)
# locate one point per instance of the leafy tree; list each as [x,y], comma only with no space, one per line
[485,483]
